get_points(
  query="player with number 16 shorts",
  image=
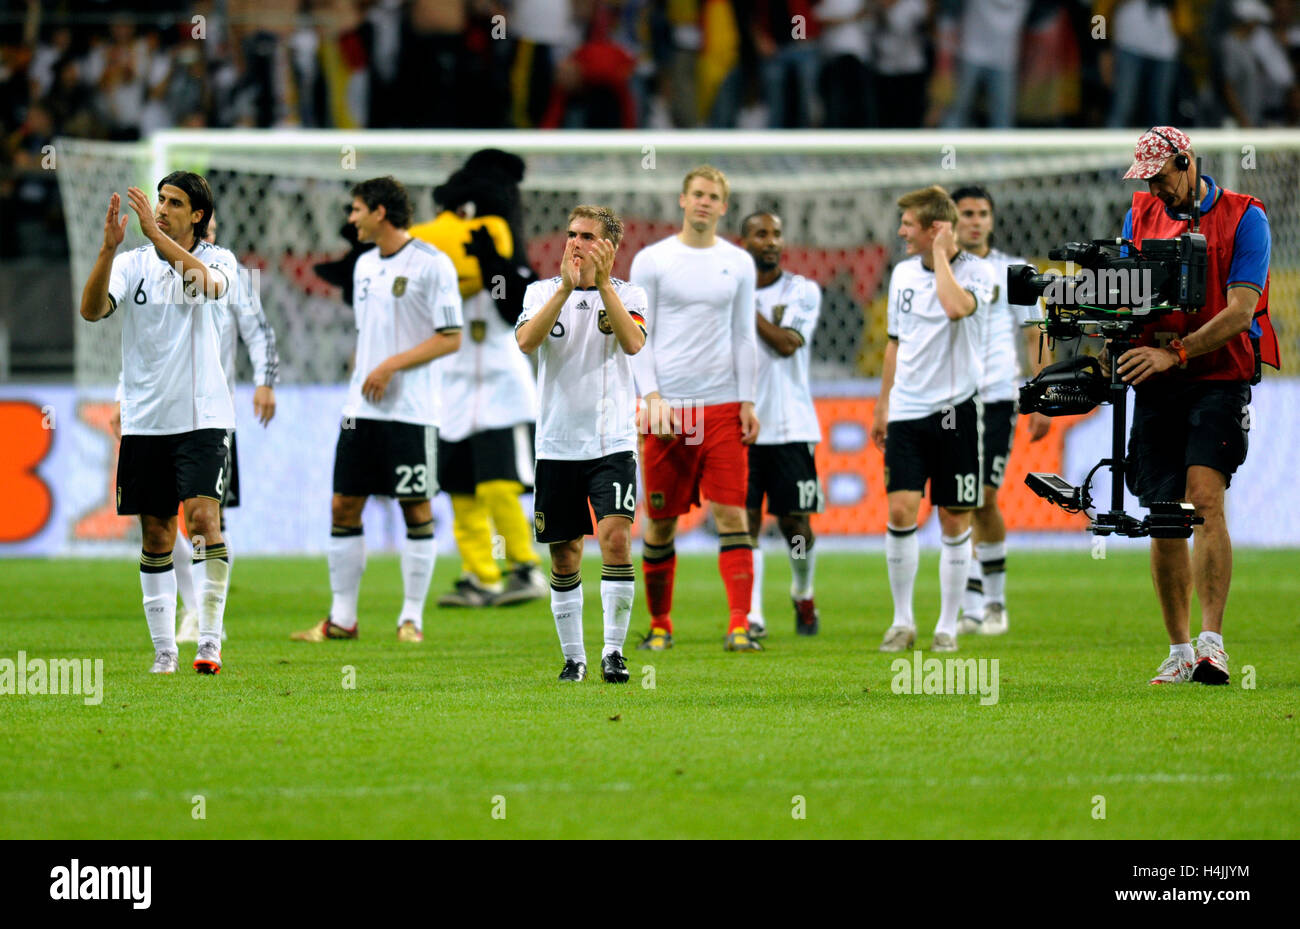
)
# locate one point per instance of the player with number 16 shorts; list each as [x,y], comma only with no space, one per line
[584,325]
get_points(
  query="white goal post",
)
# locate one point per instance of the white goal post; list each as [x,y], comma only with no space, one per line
[280,197]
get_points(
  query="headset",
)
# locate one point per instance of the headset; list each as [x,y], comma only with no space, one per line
[1181,161]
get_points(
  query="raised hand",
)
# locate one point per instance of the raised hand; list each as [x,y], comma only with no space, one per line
[602,256]
[139,202]
[114,231]
[944,240]
[570,269]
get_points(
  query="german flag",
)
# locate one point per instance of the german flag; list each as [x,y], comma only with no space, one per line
[638,319]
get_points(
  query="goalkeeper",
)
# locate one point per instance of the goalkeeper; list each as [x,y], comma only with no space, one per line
[485,444]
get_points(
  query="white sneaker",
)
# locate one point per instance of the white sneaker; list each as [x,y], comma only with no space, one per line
[1211,663]
[188,629]
[996,620]
[208,659]
[1174,670]
[969,624]
[165,663]
[943,642]
[898,638]
[757,628]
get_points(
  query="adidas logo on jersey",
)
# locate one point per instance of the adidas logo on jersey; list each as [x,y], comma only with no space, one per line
[582,304]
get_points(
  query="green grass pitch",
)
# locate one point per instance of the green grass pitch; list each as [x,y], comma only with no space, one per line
[470,735]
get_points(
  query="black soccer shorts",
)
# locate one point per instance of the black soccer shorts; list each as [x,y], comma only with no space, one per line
[787,476]
[156,472]
[1178,425]
[560,510]
[999,432]
[492,455]
[943,448]
[386,458]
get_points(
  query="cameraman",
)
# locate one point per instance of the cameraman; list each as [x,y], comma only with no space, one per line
[1192,374]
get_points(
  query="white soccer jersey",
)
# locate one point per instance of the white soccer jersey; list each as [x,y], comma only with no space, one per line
[1000,378]
[488,383]
[401,300]
[785,407]
[703,342]
[938,358]
[247,321]
[172,379]
[588,396]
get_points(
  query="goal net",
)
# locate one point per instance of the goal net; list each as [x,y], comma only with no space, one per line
[281,196]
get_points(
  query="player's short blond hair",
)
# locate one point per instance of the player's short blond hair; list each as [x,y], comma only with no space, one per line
[605,216]
[930,205]
[709,173]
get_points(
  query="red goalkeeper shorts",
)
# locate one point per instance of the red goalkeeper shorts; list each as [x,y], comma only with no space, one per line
[708,456]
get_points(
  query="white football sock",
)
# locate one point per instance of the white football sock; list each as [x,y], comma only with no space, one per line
[1184,651]
[158,590]
[756,596]
[347,560]
[954,567]
[616,598]
[993,563]
[566,607]
[418,557]
[211,581]
[801,574]
[182,558]
[1214,638]
[902,555]
[973,601]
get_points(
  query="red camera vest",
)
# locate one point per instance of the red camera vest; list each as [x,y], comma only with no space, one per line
[1234,361]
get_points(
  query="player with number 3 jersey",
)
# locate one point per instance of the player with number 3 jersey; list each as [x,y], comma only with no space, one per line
[408,310]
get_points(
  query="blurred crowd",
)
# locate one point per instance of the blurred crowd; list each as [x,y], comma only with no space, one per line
[121,69]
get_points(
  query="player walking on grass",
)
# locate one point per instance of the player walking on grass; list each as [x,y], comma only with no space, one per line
[245,321]
[927,419]
[177,411]
[585,325]
[408,313]
[985,608]
[781,465]
[698,377]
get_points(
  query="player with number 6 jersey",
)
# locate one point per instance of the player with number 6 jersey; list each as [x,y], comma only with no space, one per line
[408,310]
[928,417]
[177,411]
[584,326]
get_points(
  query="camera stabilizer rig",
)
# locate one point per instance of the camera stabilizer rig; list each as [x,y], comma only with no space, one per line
[1114,297]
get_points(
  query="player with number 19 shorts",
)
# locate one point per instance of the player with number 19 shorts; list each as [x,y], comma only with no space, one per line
[781,465]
